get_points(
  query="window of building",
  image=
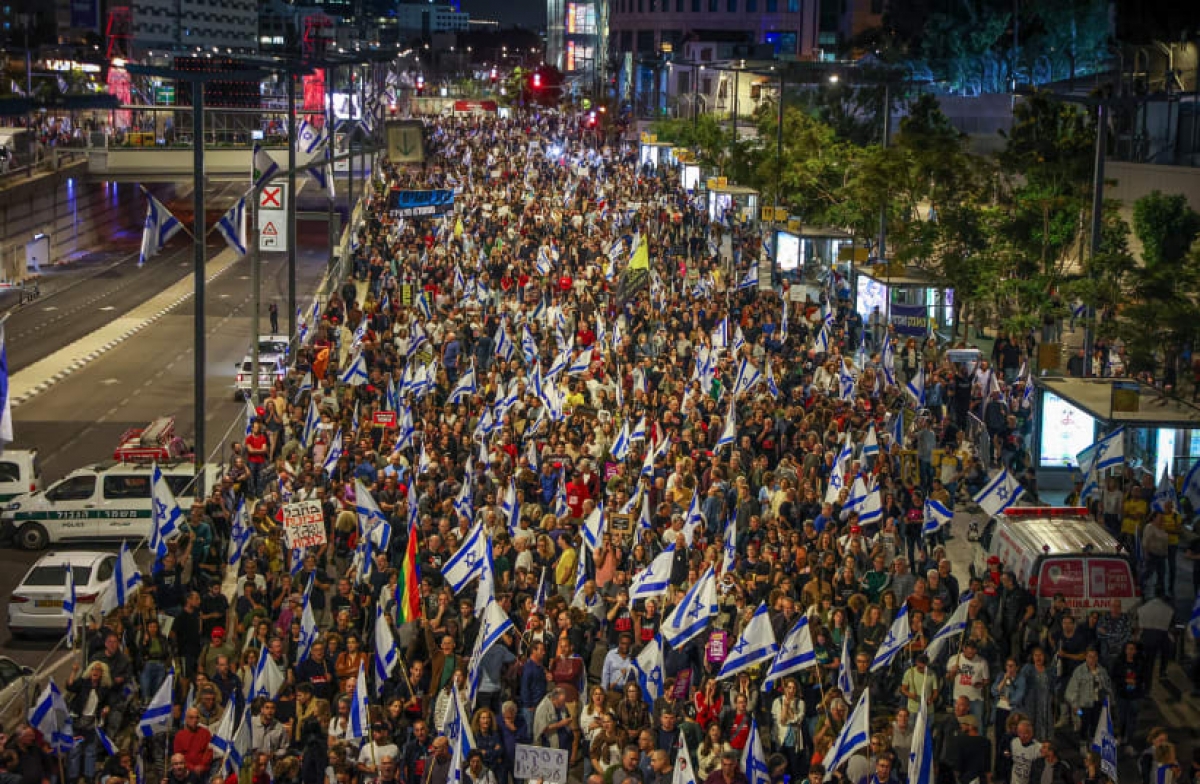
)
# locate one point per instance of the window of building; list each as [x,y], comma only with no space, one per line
[751,6]
[793,6]
[645,42]
[679,6]
[731,6]
[772,6]
[641,6]
[877,6]
[653,6]
[712,6]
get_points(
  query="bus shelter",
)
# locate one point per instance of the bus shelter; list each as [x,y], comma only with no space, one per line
[907,297]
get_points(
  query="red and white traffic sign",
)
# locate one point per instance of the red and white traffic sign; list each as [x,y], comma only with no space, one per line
[271,198]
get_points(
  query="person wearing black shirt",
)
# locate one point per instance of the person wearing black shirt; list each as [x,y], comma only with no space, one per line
[969,753]
[1128,675]
[317,671]
[33,765]
[188,639]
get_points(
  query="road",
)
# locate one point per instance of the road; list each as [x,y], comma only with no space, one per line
[78,420]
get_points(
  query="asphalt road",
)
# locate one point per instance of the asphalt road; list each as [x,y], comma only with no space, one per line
[78,420]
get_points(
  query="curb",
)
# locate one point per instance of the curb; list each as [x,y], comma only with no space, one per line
[83,361]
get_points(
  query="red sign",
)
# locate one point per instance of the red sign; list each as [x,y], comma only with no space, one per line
[475,107]
[384,418]
[272,197]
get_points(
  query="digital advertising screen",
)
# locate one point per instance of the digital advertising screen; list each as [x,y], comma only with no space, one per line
[1066,431]
[787,251]
[871,294]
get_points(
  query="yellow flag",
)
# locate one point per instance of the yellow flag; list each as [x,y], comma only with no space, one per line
[458,227]
[641,257]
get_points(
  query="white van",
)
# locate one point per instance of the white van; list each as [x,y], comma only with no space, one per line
[19,473]
[1054,550]
[103,502]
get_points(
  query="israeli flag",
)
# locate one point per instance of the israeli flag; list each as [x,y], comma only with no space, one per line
[494,624]
[156,718]
[1108,452]
[772,387]
[51,716]
[753,759]
[127,577]
[855,735]
[370,516]
[916,388]
[106,743]
[796,653]
[356,374]
[639,431]
[583,570]
[684,772]
[822,343]
[897,637]
[648,667]
[232,226]
[690,617]
[888,360]
[581,363]
[1164,494]
[486,590]
[936,516]
[870,512]
[239,534]
[739,340]
[268,678]
[467,562]
[620,447]
[999,494]
[1191,485]
[1194,622]
[729,546]
[920,757]
[308,627]
[166,515]
[251,415]
[748,377]
[783,322]
[309,137]
[504,348]
[897,428]
[6,421]
[68,605]
[654,580]
[953,627]
[311,421]
[223,734]
[264,166]
[457,729]
[750,281]
[693,521]
[333,455]
[870,445]
[844,682]
[159,227]
[386,656]
[360,716]
[593,528]
[323,177]
[240,746]
[756,644]
[729,431]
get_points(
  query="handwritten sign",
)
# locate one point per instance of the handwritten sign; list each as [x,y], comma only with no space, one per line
[537,762]
[304,524]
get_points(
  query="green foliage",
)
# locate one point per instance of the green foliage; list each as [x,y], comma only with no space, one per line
[711,141]
[1167,227]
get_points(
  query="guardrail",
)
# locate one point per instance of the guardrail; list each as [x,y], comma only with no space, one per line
[57,158]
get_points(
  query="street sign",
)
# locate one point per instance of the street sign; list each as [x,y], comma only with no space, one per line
[272,218]
[406,141]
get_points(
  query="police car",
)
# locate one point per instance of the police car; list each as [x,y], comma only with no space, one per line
[104,502]
[272,366]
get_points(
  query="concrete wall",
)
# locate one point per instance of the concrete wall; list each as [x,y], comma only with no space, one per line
[78,214]
[161,165]
[1131,181]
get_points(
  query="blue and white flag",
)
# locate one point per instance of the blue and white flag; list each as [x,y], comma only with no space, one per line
[1104,743]
[232,226]
[936,516]
[888,361]
[268,678]
[897,637]
[796,652]
[1108,452]
[648,667]
[264,167]
[457,729]
[356,374]
[370,516]
[386,654]
[844,681]
[166,515]
[691,616]
[6,421]
[1164,494]
[223,734]
[106,743]
[311,422]
[593,527]
[728,435]
[51,716]
[486,590]
[240,533]
[1000,493]
[920,757]
[1194,622]
[68,604]
[639,431]
[916,388]
[156,718]
[754,645]
[359,726]
[239,747]
[323,177]
[620,447]
[684,772]
[870,445]
[772,387]
[333,455]
[494,624]
[1191,485]
[467,562]
[251,415]
[308,626]
[126,579]
[729,546]
[753,759]
[750,281]
[953,627]
[309,137]
[158,228]
[652,581]
[855,735]
[748,377]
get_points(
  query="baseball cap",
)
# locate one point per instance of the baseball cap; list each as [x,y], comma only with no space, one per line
[218,633]
[969,721]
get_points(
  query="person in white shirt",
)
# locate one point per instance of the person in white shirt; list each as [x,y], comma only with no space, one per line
[368,758]
[1022,751]
[968,673]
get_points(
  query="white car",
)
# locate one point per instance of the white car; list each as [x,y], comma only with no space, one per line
[35,606]
[272,366]
[17,689]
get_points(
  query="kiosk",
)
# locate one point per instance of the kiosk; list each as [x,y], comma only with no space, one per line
[906,296]
[736,201]
[652,151]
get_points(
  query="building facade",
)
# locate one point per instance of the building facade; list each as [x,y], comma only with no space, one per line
[183,25]
[646,39]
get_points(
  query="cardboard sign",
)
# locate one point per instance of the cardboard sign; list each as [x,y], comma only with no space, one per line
[304,524]
[385,418]
[538,762]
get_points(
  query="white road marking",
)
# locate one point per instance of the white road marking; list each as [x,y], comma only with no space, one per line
[107,308]
[49,308]
[108,382]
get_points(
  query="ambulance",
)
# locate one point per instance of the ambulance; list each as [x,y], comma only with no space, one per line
[1058,550]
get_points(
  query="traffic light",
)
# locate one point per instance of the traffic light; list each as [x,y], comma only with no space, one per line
[537,80]
[494,75]
[591,119]
[420,85]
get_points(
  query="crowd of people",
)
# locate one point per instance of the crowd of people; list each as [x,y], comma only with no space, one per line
[578,365]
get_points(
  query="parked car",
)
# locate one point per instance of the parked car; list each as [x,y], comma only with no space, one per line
[36,604]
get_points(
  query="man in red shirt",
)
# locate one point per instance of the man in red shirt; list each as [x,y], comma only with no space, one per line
[256,452]
[192,742]
[577,493]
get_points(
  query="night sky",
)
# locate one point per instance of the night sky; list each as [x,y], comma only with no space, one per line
[527,13]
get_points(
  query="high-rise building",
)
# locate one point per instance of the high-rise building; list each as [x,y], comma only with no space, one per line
[577,41]
[184,25]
